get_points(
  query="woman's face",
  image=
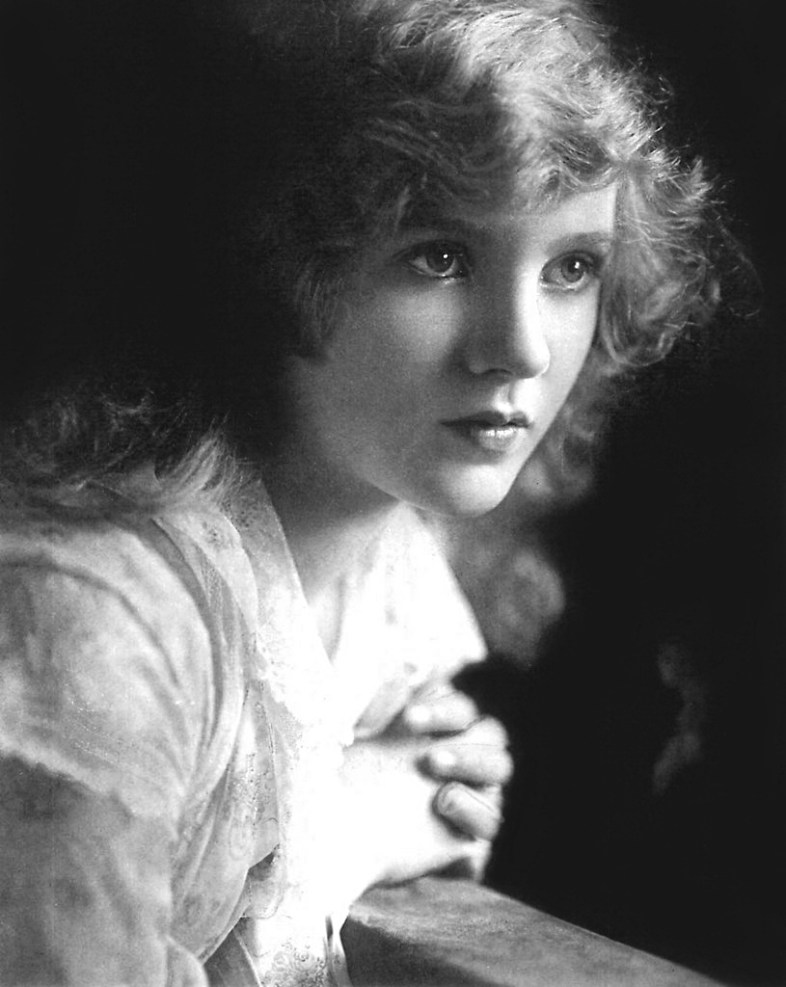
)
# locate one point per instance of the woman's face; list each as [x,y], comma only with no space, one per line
[454,347]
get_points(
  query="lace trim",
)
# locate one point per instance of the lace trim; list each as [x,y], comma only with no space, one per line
[308,734]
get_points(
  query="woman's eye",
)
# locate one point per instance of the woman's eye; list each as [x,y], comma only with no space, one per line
[438,259]
[572,271]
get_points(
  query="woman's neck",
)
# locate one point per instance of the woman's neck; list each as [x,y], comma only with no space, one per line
[329,525]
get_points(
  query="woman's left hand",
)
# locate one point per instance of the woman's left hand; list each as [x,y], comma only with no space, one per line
[469,754]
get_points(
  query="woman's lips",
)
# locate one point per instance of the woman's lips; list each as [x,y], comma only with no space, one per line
[492,432]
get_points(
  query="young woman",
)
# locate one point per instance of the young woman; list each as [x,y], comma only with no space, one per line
[422,227]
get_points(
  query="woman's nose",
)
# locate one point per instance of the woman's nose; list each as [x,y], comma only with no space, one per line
[507,335]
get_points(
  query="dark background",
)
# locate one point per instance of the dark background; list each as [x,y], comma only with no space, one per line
[676,560]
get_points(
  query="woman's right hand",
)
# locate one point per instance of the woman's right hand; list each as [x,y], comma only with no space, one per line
[392,832]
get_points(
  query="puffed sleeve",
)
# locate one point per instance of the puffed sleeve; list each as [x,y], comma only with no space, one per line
[104,707]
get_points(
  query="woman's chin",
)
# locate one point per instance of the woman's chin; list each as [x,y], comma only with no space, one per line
[468,499]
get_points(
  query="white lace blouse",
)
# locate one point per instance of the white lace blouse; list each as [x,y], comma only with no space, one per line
[174,665]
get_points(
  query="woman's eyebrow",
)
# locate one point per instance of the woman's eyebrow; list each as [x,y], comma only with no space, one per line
[434,225]
[601,240]
[431,219]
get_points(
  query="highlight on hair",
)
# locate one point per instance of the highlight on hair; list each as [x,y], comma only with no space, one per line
[343,119]
[60,458]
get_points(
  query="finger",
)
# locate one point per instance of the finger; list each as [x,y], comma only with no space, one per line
[469,811]
[487,730]
[444,712]
[475,764]
[479,757]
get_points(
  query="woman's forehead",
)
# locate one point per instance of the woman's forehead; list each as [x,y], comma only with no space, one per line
[590,211]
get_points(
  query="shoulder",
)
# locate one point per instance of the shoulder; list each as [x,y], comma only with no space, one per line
[78,566]
[107,671]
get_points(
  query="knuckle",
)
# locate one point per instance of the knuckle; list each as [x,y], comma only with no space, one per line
[495,731]
[488,732]
[506,766]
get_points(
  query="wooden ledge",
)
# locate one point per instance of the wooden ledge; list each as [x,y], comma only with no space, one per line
[452,933]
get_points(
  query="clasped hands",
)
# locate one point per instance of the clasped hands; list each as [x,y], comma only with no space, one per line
[466,752]
[426,796]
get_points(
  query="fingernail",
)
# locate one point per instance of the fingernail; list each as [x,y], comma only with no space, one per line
[447,799]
